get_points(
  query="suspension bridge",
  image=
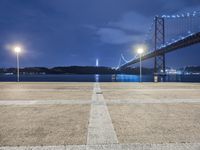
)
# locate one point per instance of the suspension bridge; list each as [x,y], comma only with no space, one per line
[167,34]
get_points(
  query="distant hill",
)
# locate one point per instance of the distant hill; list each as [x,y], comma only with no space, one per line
[74,70]
[192,69]
[88,70]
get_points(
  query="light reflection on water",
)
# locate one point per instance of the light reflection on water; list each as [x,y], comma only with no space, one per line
[97,78]
[127,78]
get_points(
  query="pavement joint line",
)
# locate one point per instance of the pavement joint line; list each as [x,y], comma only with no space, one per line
[97,102]
[100,129]
[142,90]
[165,146]
[153,101]
[44,102]
[44,90]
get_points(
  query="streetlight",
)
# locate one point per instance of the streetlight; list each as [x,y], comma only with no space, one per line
[140,51]
[17,50]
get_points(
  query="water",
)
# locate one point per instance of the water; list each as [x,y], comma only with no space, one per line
[100,78]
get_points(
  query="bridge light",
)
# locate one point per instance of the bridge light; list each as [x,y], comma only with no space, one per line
[173,16]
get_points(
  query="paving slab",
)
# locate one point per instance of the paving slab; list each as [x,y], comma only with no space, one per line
[149,91]
[156,123]
[46,85]
[41,95]
[45,91]
[43,125]
[147,85]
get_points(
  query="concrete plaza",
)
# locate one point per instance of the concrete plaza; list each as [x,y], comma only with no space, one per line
[87,116]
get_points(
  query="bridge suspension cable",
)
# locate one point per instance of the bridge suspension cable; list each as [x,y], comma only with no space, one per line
[176,27]
[167,30]
[123,60]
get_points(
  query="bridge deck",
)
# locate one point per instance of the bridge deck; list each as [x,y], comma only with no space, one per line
[190,40]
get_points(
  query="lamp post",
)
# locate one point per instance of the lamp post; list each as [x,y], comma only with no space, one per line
[17,50]
[140,51]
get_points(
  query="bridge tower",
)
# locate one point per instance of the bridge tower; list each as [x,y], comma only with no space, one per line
[159,64]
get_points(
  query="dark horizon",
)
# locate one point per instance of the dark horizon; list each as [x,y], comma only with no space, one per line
[134,66]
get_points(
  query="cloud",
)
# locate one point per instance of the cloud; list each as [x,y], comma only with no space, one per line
[116,36]
[132,21]
[128,28]
[89,26]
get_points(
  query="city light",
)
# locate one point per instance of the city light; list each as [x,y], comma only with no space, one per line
[97,62]
[188,14]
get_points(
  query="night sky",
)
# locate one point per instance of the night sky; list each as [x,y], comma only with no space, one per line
[76,32]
